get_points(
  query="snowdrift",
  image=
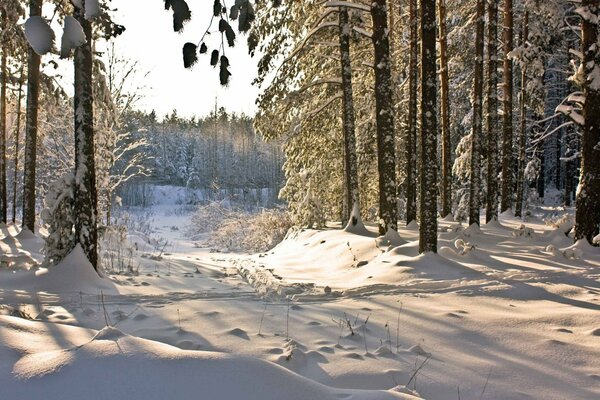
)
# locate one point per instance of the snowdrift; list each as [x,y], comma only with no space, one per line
[113,365]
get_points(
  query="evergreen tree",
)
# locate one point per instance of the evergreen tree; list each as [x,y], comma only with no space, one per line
[429,134]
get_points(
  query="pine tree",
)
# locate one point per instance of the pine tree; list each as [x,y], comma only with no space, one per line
[351,168]
[3,130]
[428,211]
[85,196]
[386,153]
[446,184]
[587,219]
[492,113]
[411,131]
[507,129]
[523,132]
[476,133]
[31,128]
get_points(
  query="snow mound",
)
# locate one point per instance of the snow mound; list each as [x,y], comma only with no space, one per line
[73,274]
[390,239]
[116,365]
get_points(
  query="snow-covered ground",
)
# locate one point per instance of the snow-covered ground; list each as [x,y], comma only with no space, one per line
[505,312]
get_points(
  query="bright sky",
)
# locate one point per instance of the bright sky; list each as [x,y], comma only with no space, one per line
[150,39]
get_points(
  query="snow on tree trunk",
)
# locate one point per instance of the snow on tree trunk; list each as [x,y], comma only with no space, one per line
[16,144]
[31,127]
[475,187]
[429,161]
[446,184]
[587,219]
[411,132]
[85,197]
[384,107]
[3,81]
[492,114]
[350,163]
[523,132]
[507,132]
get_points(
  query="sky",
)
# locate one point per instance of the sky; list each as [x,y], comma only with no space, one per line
[150,39]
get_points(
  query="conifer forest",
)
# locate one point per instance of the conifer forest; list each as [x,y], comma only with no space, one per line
[299,199]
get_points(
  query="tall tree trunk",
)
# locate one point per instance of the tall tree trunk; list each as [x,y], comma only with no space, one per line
[411,132]
[523,133]
[351,167]
[386,144]
[85,195]
[31,128]
[429,159]
[541,181]
[3,81]
[446,184]
[507,134]
[16,140]
[475,186]
[492,114]
[587,219]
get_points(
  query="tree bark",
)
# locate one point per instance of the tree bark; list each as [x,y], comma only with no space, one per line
[16,154]
[492,114]
[350,161]
[507,133]
[429,161]
[3,82]
[411,132]
[587,218]
[386,146]
[31,128]
[523,133]
[475,187]
[446,184]
[85,195]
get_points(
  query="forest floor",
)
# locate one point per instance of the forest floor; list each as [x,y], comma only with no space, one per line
[502,312]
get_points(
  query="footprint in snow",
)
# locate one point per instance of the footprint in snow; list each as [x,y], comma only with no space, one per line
[140,317]
[564,330]
[354,356]
[239,333]
[595,332]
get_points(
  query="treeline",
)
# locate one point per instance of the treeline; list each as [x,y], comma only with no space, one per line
[219,152]
[420,109]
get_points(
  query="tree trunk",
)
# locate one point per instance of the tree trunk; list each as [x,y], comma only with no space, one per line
[541,181]
[492,114]
[411,132]
[429,161]
[523,133]
[85,196]
[446,184]
[386,144]
[507,134]
[475,187]
[587,219]
[16,154]
[3,81]
[351,167]
[31,128]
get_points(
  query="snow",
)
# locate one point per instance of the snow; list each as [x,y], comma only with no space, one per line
[326,314]
[73,36]
[39,35]
[114,365]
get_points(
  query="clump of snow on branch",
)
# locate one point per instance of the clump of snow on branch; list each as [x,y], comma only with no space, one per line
[39,35]
[73,36]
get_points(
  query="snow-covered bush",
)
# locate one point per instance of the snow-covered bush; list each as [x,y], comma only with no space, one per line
[227,229]
[58,216]
[116,254]
[524,231]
